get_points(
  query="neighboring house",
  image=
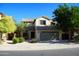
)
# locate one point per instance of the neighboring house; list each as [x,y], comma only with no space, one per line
[41,29]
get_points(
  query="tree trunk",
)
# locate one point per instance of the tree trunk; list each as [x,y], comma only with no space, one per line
[69,35]
[14,35]
[21,34]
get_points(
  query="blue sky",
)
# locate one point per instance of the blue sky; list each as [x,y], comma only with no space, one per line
[28,10]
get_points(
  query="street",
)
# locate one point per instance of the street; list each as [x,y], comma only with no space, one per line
[57,52]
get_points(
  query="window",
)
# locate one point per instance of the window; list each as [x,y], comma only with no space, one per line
[52,23]
[43,22]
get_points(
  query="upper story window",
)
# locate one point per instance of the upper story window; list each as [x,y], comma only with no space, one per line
[43,22]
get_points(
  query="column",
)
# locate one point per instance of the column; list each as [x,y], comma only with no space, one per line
[29,32]
[60,35]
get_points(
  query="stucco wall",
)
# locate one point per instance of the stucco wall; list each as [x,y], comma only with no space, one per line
[37,23]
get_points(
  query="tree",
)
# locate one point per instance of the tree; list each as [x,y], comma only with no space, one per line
[20,28]
[7,25]
[75,16]
[67,17]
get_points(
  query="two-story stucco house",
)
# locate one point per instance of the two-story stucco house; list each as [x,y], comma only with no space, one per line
[41,29]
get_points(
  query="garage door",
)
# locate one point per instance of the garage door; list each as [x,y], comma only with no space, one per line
[46,36]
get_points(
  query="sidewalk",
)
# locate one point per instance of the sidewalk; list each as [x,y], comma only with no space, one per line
[36,46]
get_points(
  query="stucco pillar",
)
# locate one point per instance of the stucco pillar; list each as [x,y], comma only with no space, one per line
[29,34]
[37,35]
[60,35]
[3,39]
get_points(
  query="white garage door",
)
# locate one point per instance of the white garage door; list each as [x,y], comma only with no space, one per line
[46,36]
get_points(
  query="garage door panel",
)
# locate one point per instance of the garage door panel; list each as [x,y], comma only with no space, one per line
[46,36]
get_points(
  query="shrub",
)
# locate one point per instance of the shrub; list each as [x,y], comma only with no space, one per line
[21,39]
[15,40]
[18,40]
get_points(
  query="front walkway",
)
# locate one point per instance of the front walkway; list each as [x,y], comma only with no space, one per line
[37,46]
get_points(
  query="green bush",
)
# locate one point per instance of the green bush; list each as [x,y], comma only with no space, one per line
[21,39]
[18,40]
[15,40]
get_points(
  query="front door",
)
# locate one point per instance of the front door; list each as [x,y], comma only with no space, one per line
[32,34]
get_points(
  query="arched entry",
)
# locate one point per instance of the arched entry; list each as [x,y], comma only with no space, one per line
[10,36]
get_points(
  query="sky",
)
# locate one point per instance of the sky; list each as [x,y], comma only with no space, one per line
[28,10]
